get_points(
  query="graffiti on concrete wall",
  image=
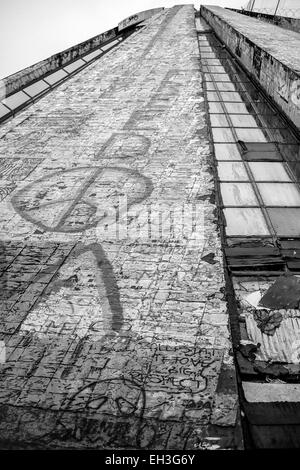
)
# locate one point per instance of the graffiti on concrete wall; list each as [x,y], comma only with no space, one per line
[78,199]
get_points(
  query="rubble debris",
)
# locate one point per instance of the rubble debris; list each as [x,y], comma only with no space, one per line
[275,369]
[267,321]
[253,300]
[248,350]
[209,258]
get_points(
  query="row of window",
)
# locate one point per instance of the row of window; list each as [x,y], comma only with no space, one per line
[259,191]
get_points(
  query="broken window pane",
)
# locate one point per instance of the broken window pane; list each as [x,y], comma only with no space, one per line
[245,222]
[279,194]
[238,194]
[267,171]
[232,171]
[227,152]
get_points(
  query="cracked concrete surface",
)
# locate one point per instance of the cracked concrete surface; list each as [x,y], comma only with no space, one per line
[115,342]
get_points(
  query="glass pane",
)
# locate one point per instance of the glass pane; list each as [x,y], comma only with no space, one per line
[266,171]
[36,88]
[222,135]
[3,110]
[56,77]
[108,46]
[215,68]
[74,66]
[210,86]
[92,55]
[219,120]
[227,152]
[243,120]
[226,86]
[245,222]
[251,135]
[16,100]
[219,77]
[231,96]
[236,108]
[212,96]
[232,171]
[215,107]
[210,62]
[205,48]
[238,194]
[207,55]
[286,222]
[279,194]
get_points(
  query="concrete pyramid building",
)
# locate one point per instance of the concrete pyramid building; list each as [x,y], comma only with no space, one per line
[128,316]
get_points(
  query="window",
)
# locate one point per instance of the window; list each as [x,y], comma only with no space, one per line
[245,222]
[55,77]
[219,120]
[266,171]
[279,194]
[232,171]
[36,88]
[238,194]
[286,222]
[227,152]
[16,100]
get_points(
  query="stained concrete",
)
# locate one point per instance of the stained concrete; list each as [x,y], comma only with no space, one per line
[116,340]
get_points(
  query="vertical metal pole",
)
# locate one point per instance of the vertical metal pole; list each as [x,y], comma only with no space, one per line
[277,7]
[252,5]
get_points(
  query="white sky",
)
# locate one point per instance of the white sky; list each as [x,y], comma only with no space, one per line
[32,30]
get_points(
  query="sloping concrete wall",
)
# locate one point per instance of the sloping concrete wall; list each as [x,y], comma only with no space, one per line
[131,346]
[267,52]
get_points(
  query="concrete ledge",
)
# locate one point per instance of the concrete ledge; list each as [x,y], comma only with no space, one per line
[267,52]
[293,24]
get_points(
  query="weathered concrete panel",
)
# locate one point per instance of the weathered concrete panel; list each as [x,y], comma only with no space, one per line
[267,52]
